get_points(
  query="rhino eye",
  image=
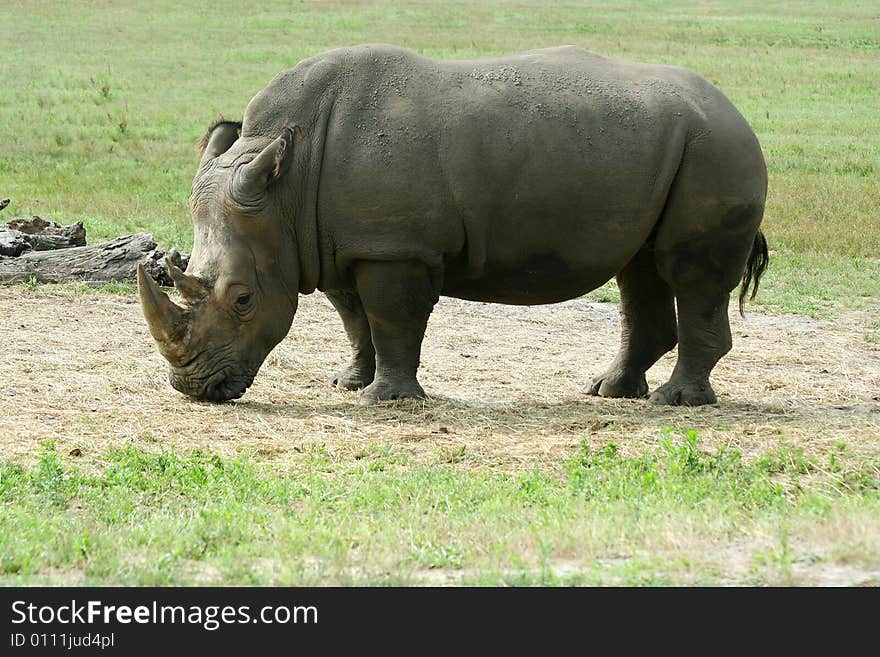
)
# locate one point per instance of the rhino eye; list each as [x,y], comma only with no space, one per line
[243,300]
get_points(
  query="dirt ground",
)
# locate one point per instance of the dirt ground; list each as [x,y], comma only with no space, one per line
[505,386]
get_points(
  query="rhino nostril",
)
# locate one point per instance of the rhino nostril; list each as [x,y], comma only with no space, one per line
[226,390]
[219,392]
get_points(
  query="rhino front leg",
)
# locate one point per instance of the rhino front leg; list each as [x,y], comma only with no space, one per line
[647,329]
[361,369]
[398,298]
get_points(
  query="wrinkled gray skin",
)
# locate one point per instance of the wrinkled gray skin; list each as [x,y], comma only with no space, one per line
[385,179]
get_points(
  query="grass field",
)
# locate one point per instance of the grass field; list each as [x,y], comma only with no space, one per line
[101,106]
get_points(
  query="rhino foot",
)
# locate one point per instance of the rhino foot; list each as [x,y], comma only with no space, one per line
[684,394]
[387,390]
[619,383]
[354,377]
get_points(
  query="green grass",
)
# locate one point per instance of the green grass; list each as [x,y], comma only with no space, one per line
[818,284]
[77,288]
[804,283]
[601,517]
[103,103]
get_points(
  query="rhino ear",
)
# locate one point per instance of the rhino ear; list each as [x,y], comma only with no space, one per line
[253,178]
[218,139]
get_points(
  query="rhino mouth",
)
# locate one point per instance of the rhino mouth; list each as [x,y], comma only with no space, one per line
[220,387]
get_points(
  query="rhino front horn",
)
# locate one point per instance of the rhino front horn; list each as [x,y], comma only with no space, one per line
[167,320]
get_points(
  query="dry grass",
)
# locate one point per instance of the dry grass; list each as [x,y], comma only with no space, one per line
[505,384]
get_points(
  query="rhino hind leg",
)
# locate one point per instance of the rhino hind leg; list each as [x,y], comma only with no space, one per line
[704,337]
[648,329]
[398,298]
[702,271]
[361,369]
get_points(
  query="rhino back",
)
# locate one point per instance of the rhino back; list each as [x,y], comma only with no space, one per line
[508,174]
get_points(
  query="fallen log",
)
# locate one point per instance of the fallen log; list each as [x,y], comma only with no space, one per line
[116,260]
[12,243]
[45,235]
[37,234]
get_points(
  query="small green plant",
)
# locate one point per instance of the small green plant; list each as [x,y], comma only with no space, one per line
[786,460]
[778,561]
[536,488]
[608,293]
[47,480]
[121,120]
[453,454]
[115,287]
[32,284]
[102,84]
[429,554]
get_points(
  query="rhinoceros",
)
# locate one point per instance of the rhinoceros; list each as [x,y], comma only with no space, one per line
[386,179]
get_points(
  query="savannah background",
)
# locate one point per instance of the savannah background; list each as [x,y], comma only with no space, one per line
[508,474]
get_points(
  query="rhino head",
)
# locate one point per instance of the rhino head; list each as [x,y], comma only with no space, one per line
[240,288]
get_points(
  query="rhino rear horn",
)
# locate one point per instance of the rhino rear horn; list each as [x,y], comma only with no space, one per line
[192,289]
[253,178]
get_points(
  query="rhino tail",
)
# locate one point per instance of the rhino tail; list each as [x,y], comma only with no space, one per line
[759,258]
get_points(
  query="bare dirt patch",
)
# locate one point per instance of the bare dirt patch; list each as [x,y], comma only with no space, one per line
[505,383]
